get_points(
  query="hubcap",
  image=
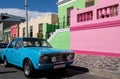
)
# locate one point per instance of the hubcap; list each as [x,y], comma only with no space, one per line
[5,62]
[27,68]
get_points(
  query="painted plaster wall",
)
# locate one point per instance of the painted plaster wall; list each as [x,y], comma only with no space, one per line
[61,41]
[36,21]
[7,34]
[62,10]
[1,31]
[14,31]
[103,38]
[99,40]
[94,9]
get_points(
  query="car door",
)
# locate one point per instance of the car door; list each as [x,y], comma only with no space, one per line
[9,51]
[17,52]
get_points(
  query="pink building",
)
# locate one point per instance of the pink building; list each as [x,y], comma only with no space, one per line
[95,30]
[14,31]
[95,37]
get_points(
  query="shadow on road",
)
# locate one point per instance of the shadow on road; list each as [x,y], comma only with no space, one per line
[50,74]
[1,61]
[82,69]
[5,72]
[71,71]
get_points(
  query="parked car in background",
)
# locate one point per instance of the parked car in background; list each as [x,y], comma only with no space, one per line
[2,46]
[35,54]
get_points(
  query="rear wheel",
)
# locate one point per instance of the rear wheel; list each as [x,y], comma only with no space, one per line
[5,62]
[28,68]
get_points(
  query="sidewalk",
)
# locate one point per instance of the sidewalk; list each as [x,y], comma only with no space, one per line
[108,67]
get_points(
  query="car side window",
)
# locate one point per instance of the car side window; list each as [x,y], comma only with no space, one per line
[18,44]
[11,45]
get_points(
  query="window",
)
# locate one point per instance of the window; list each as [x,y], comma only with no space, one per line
[11,45]
[40,28]
[68,15]
[89,3]
[3,45]
[24,32]
[18,44]
[31,31]
[35,42]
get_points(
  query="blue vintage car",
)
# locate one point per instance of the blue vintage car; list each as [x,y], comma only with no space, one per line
[35,54]
[2,46]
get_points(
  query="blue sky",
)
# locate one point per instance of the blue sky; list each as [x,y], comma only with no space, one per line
[34,5]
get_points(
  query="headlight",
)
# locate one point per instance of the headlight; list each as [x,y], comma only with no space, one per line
[53,59]
[44,58]
[70,57]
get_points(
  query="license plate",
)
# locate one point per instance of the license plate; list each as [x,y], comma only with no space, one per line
[59,66]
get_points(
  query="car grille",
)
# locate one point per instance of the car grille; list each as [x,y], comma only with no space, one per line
[59,57]
[56,58]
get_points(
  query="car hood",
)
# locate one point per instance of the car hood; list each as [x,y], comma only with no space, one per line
[45,50]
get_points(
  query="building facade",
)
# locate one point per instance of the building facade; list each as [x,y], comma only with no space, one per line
[40,27]
[14,31]
[61,38]
[95,36]
[7,22]
[65,6]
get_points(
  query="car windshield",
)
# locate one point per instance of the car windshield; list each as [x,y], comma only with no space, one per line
[3,45]
[35,42]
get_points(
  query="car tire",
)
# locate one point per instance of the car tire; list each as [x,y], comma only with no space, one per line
[5,62]
[62,70]
[28,68]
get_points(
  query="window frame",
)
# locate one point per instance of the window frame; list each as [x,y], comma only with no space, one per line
[31,31]
[19,40]
[89,3]
[13,41]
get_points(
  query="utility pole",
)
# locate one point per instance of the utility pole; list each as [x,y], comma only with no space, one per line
[26,8]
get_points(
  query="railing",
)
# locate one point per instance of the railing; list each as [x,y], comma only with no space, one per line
[87,16]
[64,22]
[107,12]
[56,32]
[95,14]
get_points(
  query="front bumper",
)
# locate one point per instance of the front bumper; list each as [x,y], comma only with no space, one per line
[44,66]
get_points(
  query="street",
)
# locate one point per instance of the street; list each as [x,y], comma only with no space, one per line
[71,73]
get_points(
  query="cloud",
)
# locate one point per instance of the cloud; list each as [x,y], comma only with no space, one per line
[21,12]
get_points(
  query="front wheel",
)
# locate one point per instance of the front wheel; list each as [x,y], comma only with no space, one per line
[62,70]
[5,62]
[28,68]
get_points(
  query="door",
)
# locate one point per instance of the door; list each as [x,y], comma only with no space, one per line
[9,51]
[68,15]
[17,52]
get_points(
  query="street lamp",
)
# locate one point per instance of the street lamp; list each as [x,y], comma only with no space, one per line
[26,8]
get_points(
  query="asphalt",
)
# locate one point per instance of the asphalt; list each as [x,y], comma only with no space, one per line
[72,72]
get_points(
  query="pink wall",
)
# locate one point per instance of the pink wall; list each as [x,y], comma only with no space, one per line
[100,4]
[14,31]
[97,36]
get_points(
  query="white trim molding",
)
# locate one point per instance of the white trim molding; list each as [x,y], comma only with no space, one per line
[64,2]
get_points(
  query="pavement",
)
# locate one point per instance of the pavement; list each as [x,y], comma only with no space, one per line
[72,72]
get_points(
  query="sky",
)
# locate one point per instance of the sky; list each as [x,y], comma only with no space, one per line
[37,8]
[34,5]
